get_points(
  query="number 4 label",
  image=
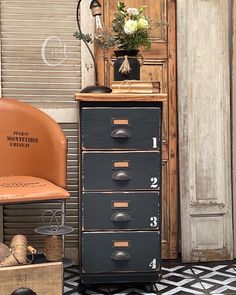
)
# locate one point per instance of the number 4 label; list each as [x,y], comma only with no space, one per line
[153,264]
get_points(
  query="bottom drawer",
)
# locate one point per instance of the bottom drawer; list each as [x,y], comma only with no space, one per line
[121,252]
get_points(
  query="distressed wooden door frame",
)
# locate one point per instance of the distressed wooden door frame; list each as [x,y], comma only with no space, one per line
[233,87]
[204,129]
[165,52]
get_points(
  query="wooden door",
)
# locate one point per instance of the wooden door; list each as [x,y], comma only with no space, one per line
[204,129]
[160,65]
[233,99]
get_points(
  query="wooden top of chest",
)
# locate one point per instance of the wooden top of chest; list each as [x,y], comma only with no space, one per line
[119,97]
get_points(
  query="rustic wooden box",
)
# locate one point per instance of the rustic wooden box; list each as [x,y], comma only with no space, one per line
[43,278]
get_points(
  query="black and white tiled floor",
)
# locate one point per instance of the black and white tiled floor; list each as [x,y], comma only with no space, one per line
[176,278]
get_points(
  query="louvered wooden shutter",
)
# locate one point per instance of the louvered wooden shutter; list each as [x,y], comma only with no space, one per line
[71,132]
[40,56]
[40,62]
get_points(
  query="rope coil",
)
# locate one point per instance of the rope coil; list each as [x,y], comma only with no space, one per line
[53,248]
[18,252]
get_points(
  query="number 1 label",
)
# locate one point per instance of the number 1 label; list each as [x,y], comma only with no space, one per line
[154,142]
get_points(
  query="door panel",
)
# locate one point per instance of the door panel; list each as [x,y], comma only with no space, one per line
[204,128]
[159,64]
[234,117]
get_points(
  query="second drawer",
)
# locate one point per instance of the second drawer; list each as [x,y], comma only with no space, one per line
[121,211]
[121,171]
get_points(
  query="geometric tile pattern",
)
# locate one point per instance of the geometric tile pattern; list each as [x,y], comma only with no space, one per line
[71,280]
[176,278]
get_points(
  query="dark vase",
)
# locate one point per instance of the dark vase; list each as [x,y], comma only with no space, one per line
[126,65]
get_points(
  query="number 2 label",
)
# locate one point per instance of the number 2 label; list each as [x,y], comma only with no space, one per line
[154,182]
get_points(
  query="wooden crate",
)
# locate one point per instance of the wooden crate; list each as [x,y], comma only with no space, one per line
[43,278]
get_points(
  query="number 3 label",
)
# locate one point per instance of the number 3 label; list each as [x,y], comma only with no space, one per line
[153,220]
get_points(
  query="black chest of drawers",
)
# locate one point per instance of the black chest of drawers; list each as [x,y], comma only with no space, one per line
[120,189]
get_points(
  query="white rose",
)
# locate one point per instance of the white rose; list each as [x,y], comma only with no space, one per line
[131,26]
[133,11]
[142,23]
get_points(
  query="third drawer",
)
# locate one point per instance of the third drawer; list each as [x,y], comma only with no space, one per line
[124,211]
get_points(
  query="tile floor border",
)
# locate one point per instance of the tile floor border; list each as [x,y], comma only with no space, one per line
[176,278]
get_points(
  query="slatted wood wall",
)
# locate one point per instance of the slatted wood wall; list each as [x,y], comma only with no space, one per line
[40,56]
[40,61]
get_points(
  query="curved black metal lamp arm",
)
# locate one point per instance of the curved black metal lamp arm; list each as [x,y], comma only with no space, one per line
[86,43]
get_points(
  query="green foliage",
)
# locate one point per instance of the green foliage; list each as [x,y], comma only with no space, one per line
[87,37]
[104,39]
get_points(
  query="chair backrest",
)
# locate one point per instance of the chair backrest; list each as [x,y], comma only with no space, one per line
[31,143]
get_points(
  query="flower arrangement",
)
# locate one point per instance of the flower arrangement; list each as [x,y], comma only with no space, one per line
[130,30]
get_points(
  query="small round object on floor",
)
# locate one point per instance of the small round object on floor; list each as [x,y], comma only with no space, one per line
[82,288]
[149,287]
[23,291]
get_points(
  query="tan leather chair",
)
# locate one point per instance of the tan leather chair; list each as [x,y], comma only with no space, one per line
[33,151]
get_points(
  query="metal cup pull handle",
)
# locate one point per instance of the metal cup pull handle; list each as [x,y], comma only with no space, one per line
[120,176]
[120,217]
[121,133]
[120,256]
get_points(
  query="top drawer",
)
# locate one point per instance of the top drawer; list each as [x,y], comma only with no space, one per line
[121,128]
